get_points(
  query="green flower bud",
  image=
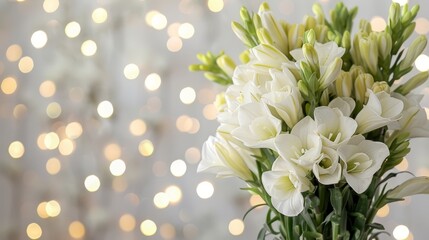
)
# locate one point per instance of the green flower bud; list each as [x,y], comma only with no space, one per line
[384,44]
[194,67]
[244,14]
[241,33]
[408,17]
[274,29]
[245,56]
[211,76]
[331,73]
[413,83]
[264,7]
[365,26]
[264,36]
[302,86]
[305,70]
[346,41]
[310,55]
[369,52]
[362,83]
[294,34]
[226,64]
[318,12]
[321,33]
[220,102]
[414,10]
[257,21]
[380,87]
[355,71]
[310,23]
[324,99]
[310,37]
[204,59]
[344,84]
[408,31]
[394,14]
[413,51]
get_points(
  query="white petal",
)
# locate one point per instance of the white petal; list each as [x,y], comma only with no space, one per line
[290,207]
[345,104]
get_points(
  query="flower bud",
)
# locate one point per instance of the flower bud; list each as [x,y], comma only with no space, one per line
[384,44]
[344,84]
[220,102]
[321,33]
[226,64]
[394,14]
[413,186]
[241,33]
[310,37]
[310,23]
[362,83]
[274,29]
[331,73]
[303,88]
[380,87]
[408,31]
[355,71]
[294,33]
[346,41]
[365,26]
[369,52]
[264,36]
[244,14]
[324,99]
[245,56]
[414,10]
[413,51]
[413,83]
[264,7]
[318,12]
[310,55]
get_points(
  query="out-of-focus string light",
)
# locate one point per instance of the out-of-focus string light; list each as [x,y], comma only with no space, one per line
[422,63]
[236,227]
[88,48]
[53,166]
[146,148]
[53,208]
[99,15]
[66,147]
[47,88]
[117,167]
[53,110]
[422,26]
[73,130]
[127,222]
[256,200]
[161,200]
[174,44]
[174,194]
[19,110]
[9,85]
[192,155]
[119,184]
[205,190]
[92,183]
[138,127]
[187,95]
[39,39]
[41,210]
[16,149]
[378,24]
[210,112]
[131,71]
[26,64]
[173,29]
[186,30]
[51,140]
[51,6]
[215,5]
[159,21]
[148,227]
[152,82]
[167,231]
[401,232]
[34,231]
[105,109]
[384,211]
[178,168]
[76,230]
[112,151]
[13,53]
[72,29]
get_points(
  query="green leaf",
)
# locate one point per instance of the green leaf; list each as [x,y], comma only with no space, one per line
[336,200]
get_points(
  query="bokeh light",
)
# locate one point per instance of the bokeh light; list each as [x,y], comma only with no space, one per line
[146,148]
[53,110]
[384,211]
[74,130]
[112,151]
[236,227]
[174,44]
[161,200]
[178,168]
[378,24]
[117,167]
[53,208]
[77,230]
[88,48]
[99,15]
[105,109]
[187,95]
[152,82]
[47,88]
[9,85]
[92,183]
[72,29]
[127,222]
[131,71]
[186,30]
[53,166]
[137,127]
[174,194]
[26,64]
[41,210]
[51,141]
[66,147]
[215,5]
[34,231]
[39,39]
[13,53]
[16,149]
[51,6]
[205,190]
[422,63]
[192,155]
[401,232]
[148,227]
[167,231]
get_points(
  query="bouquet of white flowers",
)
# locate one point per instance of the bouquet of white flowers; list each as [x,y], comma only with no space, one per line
[313,119]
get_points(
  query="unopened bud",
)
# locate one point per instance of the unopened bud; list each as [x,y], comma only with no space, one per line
[310,37]
[324,99]
[413,83]
[346,40]
[244,14]
[264,7]
[380,87]
[355,71]
[302,86]
[384,44]
[413,51]
[344,84]
[362,83]
[318,12]
[294,34]
[369,52]
[310,22]
[394,14]
[331,73]
[241,33]
[310,55]
[226,64]
[365,26]
[264,36]
[245,56]
[220,102]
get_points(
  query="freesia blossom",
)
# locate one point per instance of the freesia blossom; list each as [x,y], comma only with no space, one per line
[333,127]
[226,159]
[302,147]
[345,104]
[285,186]
[361,160]
[380,110]
[328,168]
[414,118]
[257,128]
[264,57]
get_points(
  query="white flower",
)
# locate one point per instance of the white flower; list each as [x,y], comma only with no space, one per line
[264,57]
[302,146]
[287,104]
[380,110]
[328,168]
[414,119]
[333,127]
[285,186]
[344,104]
[246,73]
[257,127]
[226,159]
[361,160]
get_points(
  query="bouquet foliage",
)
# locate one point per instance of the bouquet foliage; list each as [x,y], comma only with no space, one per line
[314,119]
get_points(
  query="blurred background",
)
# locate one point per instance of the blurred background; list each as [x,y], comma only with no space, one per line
[102,124]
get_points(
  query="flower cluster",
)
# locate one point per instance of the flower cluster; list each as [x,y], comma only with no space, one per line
[313,121]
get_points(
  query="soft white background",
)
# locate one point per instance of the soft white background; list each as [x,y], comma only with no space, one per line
[126,38]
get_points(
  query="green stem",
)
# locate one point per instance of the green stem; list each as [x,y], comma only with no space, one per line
[335,228]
